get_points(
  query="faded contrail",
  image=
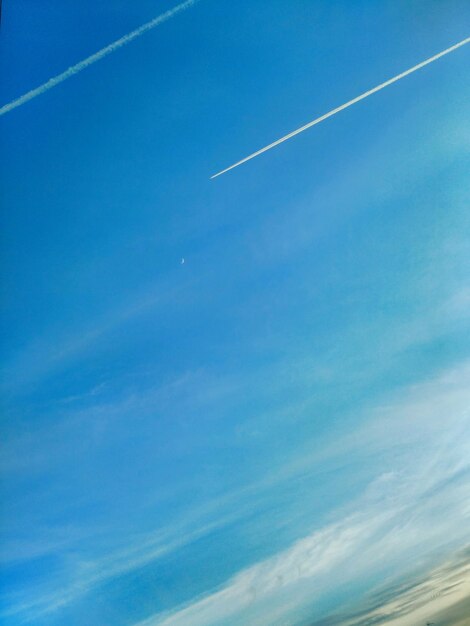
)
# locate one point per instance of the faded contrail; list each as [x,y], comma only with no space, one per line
[71,71]
[344,106]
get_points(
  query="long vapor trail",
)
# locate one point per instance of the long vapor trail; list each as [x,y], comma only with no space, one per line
[75,69]
[344,106]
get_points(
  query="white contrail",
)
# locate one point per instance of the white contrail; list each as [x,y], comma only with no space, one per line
[71,71]
[344,106]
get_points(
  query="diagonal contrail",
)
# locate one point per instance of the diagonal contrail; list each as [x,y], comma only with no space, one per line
[74,69]
[344,106]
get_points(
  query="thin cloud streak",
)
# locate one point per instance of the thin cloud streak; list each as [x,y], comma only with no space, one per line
[97,56]
[344,106]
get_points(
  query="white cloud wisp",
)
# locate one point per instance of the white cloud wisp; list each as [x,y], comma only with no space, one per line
[391,518]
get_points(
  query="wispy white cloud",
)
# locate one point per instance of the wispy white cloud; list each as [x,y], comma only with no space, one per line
[392,519]
[97,56]
[308,559]
[333,556]
[420,437]
[417,439]
[88,574]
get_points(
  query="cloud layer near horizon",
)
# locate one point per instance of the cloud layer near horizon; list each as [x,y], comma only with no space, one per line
[416,506]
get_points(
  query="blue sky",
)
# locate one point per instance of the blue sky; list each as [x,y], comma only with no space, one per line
[276,431]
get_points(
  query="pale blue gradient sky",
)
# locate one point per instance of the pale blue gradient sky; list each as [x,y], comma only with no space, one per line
[277,428]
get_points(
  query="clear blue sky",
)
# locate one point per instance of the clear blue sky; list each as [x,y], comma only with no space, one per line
[276,430]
